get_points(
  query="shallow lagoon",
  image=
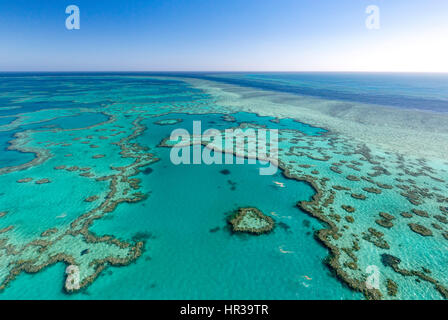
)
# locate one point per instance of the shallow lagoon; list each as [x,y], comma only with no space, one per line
[191,252]
[194,255]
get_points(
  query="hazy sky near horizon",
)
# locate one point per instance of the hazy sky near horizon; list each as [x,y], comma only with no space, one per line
[224,35]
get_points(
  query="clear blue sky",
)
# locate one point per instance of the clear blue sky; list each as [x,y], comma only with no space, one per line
[284,35]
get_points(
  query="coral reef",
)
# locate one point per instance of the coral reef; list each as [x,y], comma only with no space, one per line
[251,220]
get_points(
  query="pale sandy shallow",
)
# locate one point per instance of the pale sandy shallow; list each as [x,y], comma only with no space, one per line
[414,133]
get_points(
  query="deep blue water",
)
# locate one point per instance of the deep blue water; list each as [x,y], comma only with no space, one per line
[403,90]
[411,91]
[56,91]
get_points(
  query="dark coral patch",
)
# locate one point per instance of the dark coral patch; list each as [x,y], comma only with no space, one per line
[406,215]
[420,229]
[441,219]
[392,288]
[384,223]
[349,219]
[386,216]
[43,181]
[91,199]
[421,213]
[389,260]
[147,171]
[358,196]
[372,190]
[347,208]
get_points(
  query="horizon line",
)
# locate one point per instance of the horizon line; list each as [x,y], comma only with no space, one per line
[217,71]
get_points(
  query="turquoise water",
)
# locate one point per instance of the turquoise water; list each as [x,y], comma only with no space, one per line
[186,258]
[189,261]
[12,158]
[91,135]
